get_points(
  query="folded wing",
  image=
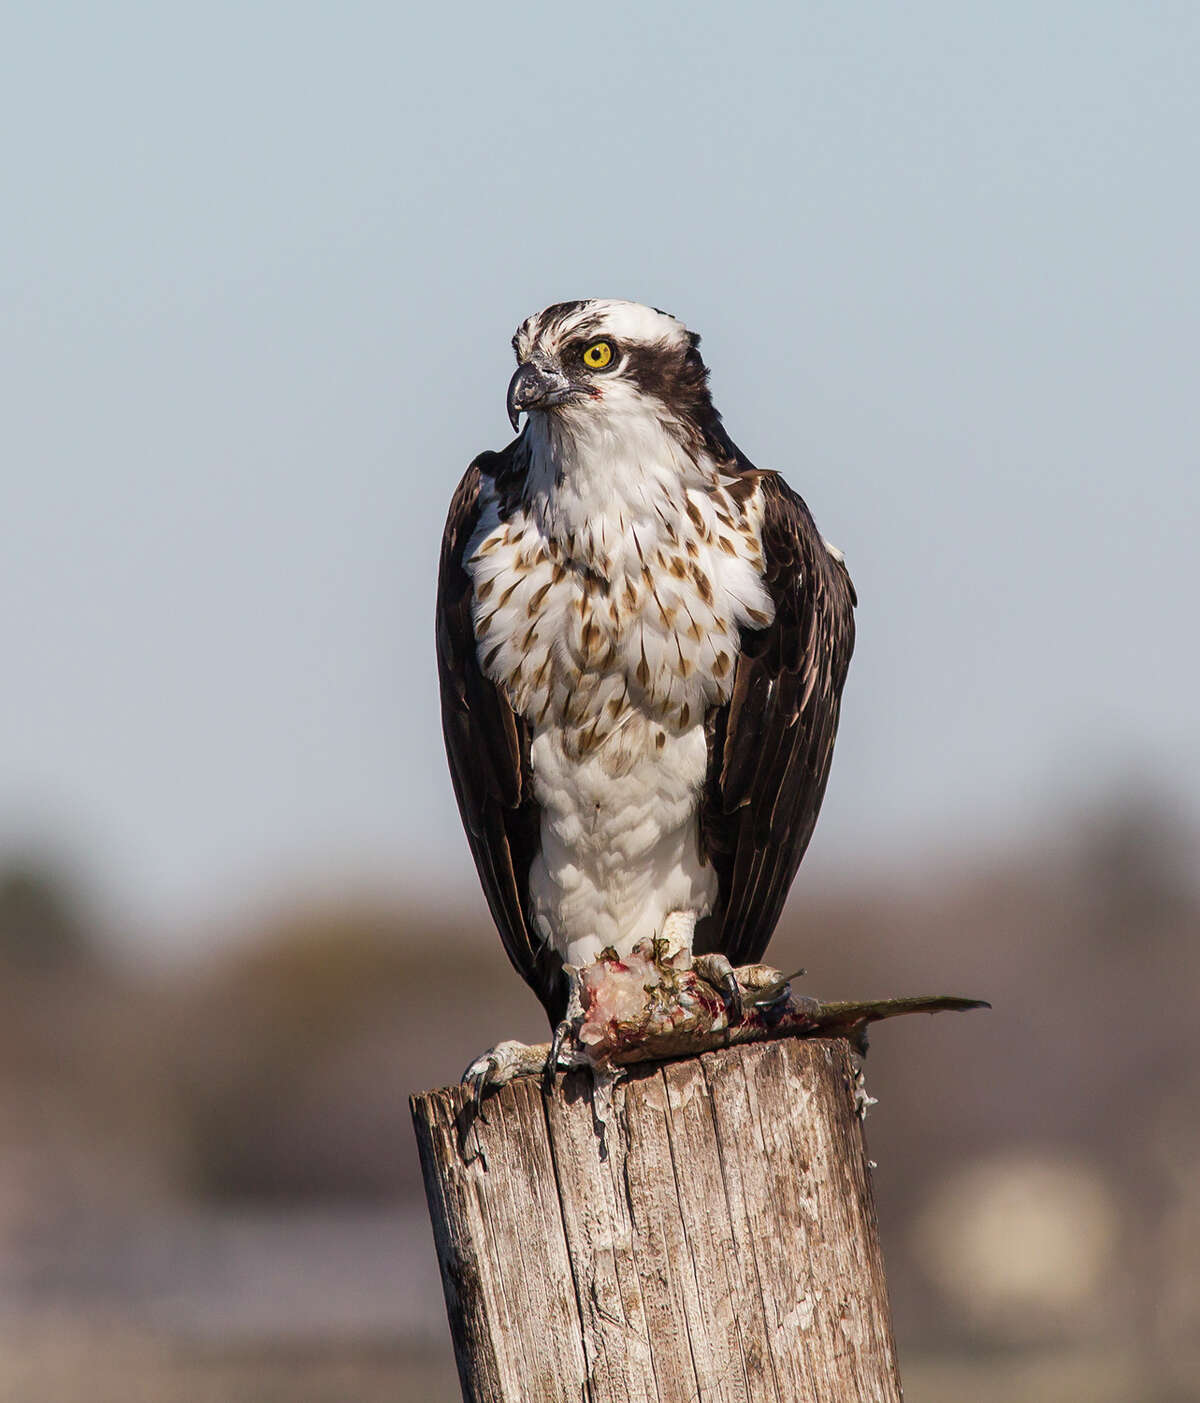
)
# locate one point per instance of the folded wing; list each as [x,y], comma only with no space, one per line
[488,747]
[771,745]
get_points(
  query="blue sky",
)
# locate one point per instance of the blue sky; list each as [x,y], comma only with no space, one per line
[260,268]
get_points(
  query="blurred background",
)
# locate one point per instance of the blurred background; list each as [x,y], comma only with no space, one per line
[260,267]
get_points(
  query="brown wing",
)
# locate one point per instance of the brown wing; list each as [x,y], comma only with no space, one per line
[487,744]
[770,747]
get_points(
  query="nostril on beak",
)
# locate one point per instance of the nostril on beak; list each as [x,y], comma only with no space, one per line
[532,388]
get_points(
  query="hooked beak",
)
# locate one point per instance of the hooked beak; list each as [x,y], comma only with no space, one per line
[535,387]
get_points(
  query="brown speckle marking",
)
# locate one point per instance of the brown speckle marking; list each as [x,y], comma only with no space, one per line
[660,739]
[484,589]
[530,638]
[691,547]
[727,545]
[667,615]
[685,716]
[758,618]
[590,739]
[535,599]
[507,595]
[643,669]
[721,665]
[493,654]
[678,568]
[696,515]
[703,584]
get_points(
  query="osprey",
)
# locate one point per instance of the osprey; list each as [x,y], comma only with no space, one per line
[642,641]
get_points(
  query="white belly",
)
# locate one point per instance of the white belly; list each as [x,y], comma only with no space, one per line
[620,850]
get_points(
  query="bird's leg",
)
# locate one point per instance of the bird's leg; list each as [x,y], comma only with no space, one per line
[500,1064]
[511,1059]
[678,932]
[566,1027]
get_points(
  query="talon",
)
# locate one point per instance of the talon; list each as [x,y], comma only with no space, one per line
[769,985]
[479,1087]
[561,1032]
[478,1077]
[717,971]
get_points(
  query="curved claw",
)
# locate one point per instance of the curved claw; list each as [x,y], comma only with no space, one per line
[562,1032]
[769,985]
[479,1077]
[716,970]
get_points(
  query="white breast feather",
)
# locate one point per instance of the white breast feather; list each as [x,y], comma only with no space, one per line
[608,609]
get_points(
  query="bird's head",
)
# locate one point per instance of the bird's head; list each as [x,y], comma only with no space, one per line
[587,365]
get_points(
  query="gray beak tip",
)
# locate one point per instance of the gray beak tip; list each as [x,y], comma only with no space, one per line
[534,387]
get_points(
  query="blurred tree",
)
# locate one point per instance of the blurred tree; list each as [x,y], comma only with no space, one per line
[40,922]
[1138,855]
[292,1083]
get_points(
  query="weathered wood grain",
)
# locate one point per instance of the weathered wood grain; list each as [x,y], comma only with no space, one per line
[716,1242]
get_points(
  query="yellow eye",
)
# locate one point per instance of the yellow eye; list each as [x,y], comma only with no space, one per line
[598,355]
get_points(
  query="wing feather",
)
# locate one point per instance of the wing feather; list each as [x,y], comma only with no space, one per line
[771,745]
[487,745]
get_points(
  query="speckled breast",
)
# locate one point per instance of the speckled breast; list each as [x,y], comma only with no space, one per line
[638,621]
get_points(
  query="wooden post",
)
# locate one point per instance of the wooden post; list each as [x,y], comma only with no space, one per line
[716,1242]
